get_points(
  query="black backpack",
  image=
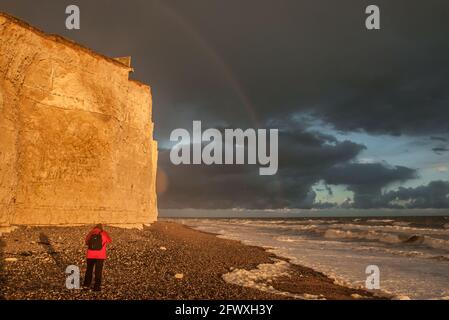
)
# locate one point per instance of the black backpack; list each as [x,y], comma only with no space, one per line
[96,242]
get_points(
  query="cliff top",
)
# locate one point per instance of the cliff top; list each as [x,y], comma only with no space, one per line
[62,40]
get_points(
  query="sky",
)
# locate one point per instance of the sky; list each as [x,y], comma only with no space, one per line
[362,115]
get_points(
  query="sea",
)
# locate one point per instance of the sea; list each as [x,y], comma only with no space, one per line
[411,252]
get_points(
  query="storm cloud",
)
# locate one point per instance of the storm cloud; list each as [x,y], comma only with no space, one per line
[433,195]
[305,158]
[367,180]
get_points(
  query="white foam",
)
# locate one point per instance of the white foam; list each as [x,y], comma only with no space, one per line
[401,223]
[261,278]
[287,239]
[401,297]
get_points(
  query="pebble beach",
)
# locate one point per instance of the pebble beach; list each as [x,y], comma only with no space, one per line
[165,261]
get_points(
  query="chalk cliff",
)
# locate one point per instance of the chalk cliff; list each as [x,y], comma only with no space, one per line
[76,139]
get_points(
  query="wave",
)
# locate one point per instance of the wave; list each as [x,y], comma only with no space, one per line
[436,243]
[288,239]
[392,228]
[401,223]
[440,258]
[380,220]
[369,235]
[415,239]
[390,238]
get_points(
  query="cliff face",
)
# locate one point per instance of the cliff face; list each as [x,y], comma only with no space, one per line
[76,142]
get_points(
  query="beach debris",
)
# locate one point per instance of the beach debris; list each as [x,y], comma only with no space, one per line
[11,259]
[5,230]
[401,297]
[179,276]
[307,296]
[163,248]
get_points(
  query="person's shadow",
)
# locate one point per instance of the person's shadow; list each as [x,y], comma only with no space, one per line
[44,241]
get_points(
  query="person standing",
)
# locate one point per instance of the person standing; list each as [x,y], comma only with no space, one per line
[96,240]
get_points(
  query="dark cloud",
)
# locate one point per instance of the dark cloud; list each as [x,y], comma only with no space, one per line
[366,180]
[433,195]
[305,158]
[375,174]
[440,150]
[442,139]
[238,63]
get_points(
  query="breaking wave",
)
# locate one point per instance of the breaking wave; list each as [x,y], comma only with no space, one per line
[391,238]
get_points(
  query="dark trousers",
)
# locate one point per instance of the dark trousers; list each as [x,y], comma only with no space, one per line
[98,264]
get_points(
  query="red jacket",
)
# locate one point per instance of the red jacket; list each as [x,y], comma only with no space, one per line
[98,254]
